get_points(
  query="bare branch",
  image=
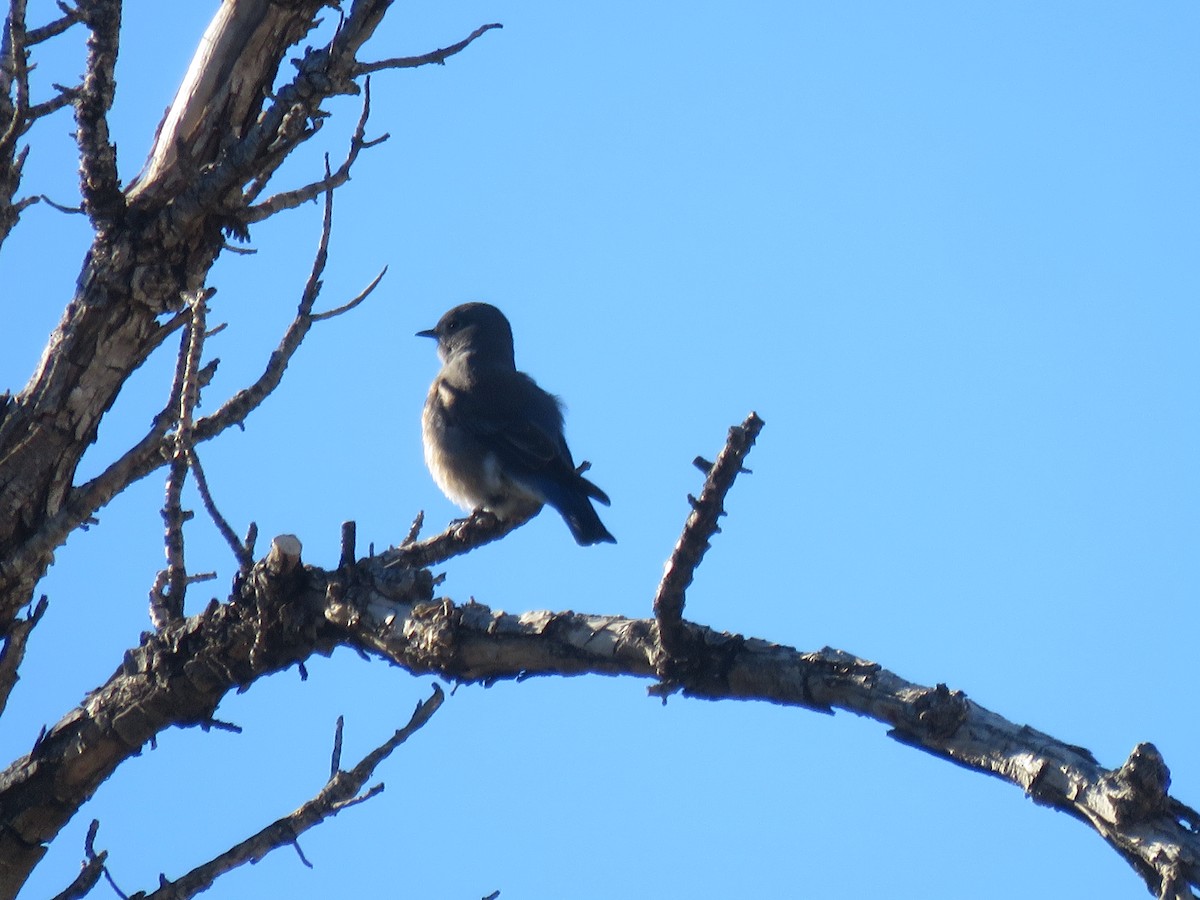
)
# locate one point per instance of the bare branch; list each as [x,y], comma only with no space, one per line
[437,57]
[292,199]
[92,869]
[243,554]
[699,529]
[53,29]
[335,761]
[64,97]
[461,536]
[13,652]
[99,182]
[235,410]
[359,298]
[69,210]
[14,70]
[167,605]
[414,530]
[340,792]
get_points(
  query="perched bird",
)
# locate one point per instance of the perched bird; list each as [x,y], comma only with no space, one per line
[493,438]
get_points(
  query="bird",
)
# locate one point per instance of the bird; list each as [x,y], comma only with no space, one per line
[493,438]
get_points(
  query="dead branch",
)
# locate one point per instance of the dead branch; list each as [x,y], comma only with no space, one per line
[13,652]
[242,553]
[699,529]
[341,792]
[292,199]
[90,871]
[285,611]
[52,29]
[437,57]
[461,536]
[351,304]
[99,182]
[170,587]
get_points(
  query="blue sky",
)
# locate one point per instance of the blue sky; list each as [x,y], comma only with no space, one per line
[947,251]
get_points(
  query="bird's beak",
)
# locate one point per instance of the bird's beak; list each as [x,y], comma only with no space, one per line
[428,332]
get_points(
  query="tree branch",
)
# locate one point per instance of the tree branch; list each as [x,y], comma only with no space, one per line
[699,529]
[170,587]
[284,612]
[99,182]
[90,871]
[437,57]
[13,652]
[292,199]
[339,793]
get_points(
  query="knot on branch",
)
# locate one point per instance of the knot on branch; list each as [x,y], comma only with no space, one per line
[1138,790]
[432,633]
[941,711]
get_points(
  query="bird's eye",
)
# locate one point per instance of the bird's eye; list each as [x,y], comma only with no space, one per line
[452,324]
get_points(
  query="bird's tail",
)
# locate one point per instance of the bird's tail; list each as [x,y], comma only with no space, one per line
[577,511]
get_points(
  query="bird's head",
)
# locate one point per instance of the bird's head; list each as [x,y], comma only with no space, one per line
[475,330]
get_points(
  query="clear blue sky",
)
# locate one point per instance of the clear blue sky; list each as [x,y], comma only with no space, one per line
[946,250]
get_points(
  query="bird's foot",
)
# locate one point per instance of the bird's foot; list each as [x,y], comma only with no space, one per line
[479,518]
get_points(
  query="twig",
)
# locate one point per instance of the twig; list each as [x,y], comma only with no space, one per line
[13,652]
[243,554]
[346,307]
[90,872]
[414,529]
[335,761]
[235,410]
[292,199]
[437,57]
[341,792]
[69,210]
[53,29]
[14,69]
[167,596]
[462,536]
[65,97]
[701,525]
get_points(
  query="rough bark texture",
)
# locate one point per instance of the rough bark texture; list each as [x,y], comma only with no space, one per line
[283,613]
[150,247]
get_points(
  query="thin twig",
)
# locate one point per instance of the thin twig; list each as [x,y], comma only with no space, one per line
[461,536]
[437,57]
[235,410]
[15,66]
[167,600]
[53,29]
[341,792]
[414,530]
[65,97]
[92,869]
[69,210]
[244,556]
[346,307]
[294,198]
[335,761]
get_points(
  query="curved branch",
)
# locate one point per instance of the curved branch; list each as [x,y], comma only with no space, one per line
[285,612]
[437,57]
[341,792]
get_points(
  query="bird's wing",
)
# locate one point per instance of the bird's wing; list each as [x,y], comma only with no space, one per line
[518,421]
